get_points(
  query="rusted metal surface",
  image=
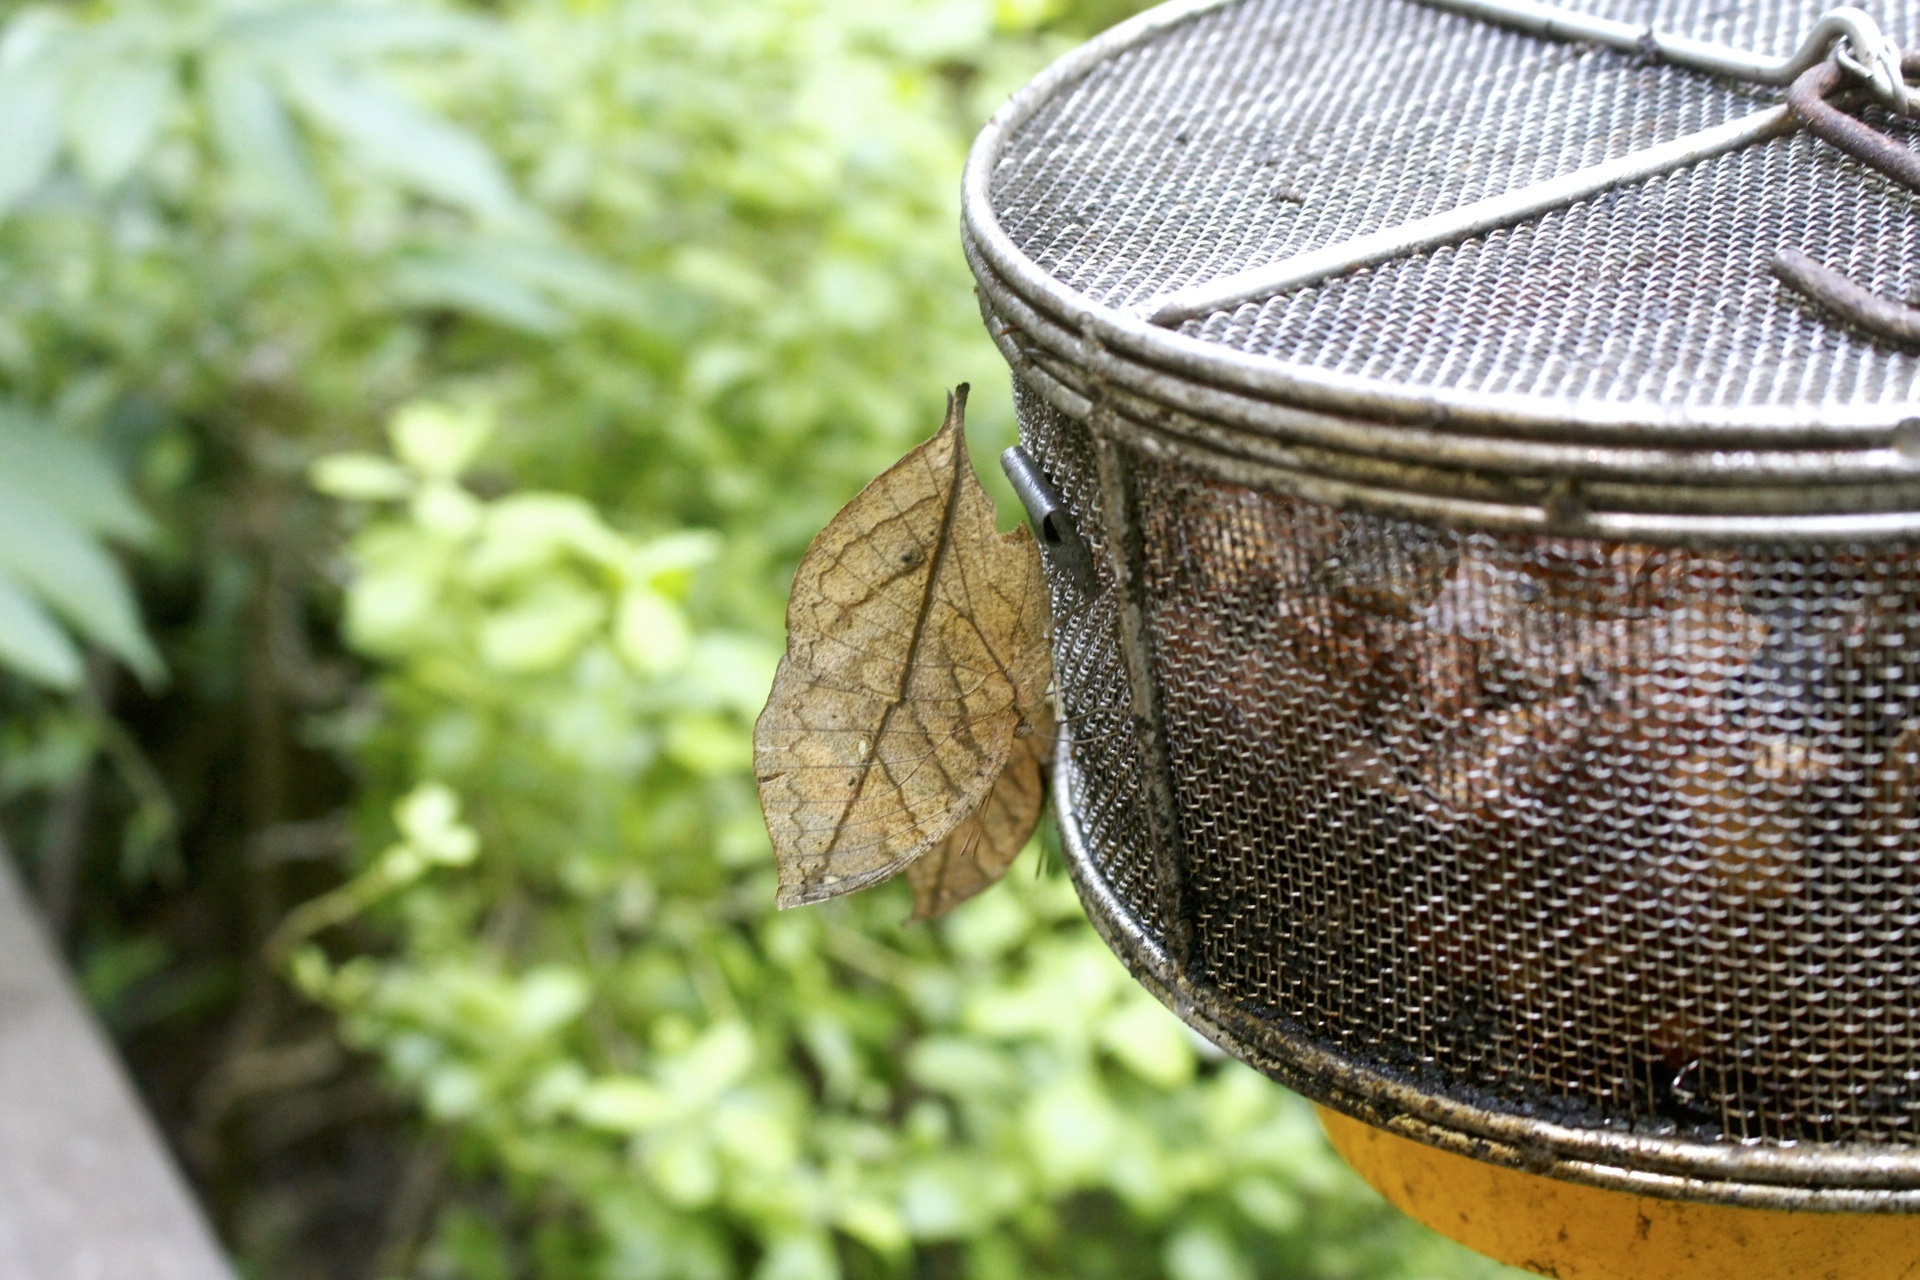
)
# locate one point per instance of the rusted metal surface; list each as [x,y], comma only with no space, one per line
[1811,99]
[1883,317]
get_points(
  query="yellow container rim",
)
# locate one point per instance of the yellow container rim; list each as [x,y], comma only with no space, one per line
[1572,1231]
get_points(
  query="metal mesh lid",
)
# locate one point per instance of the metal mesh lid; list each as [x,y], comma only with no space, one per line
[1255,130]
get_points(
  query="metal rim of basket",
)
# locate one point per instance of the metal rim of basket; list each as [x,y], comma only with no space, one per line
[1806,476]
[1809,473]
[1797,1176]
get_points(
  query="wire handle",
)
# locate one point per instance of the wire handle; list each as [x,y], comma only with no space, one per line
[1845,41]
[1865,50]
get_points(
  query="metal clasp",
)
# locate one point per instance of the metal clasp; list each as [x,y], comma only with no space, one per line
[1053,527]
[1865,52]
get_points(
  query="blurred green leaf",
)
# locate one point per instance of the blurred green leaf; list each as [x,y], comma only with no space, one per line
[71,476]
[354,31]
[32,644]
[30,102]
[115,109]
[1198,1253]
[42,549]
[439,440]
[360,477]
[264,153]
[475,286]
[622,1105]
[650,632]
[392,137]
[542,629]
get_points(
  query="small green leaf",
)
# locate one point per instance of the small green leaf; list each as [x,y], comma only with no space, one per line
[622,1104]
[439,440]
[47,552]
[32,645]
[874,1223]
[577,281]
[531,533]
[684,1167]
[1150,1042]
[731,672]
[356,31]
[711,1065]
[541,630]
[1269,1205]
[454,283]
[799,1257]
[1204,1253]
[429,818]
[71,475]
[651,632]
[360,477]
[708,745]
[453,1092]
[1073,1131]
[445,510]
[666,564]
[549,998]
[391,607]
[554,1091]
[310,972]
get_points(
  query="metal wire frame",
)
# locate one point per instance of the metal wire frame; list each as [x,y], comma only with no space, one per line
[1877,59]
[1496,212]
[1807,1177]
[1654,473]
[1804,1177]
[1470,482]
[1484,462]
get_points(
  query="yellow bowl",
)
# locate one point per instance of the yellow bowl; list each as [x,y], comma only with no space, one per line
[1576,1232]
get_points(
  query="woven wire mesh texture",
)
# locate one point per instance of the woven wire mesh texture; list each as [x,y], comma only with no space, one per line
[1269,127]
[1603,851]
[1609,834]
[1090,675]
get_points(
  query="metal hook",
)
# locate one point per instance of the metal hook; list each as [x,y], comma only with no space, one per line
[1863,51]
[1810,100]
[1868,53]
[1053,527]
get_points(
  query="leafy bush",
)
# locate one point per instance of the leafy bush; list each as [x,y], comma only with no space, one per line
[591,993]
[591,312]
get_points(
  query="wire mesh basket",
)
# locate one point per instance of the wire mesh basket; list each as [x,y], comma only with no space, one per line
[1491,698]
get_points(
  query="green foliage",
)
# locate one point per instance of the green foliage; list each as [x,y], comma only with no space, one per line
[605,1012]
[640,292]
[58,499]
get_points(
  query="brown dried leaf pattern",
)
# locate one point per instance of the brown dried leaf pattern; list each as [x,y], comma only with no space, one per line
[978,851]
[916,646]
